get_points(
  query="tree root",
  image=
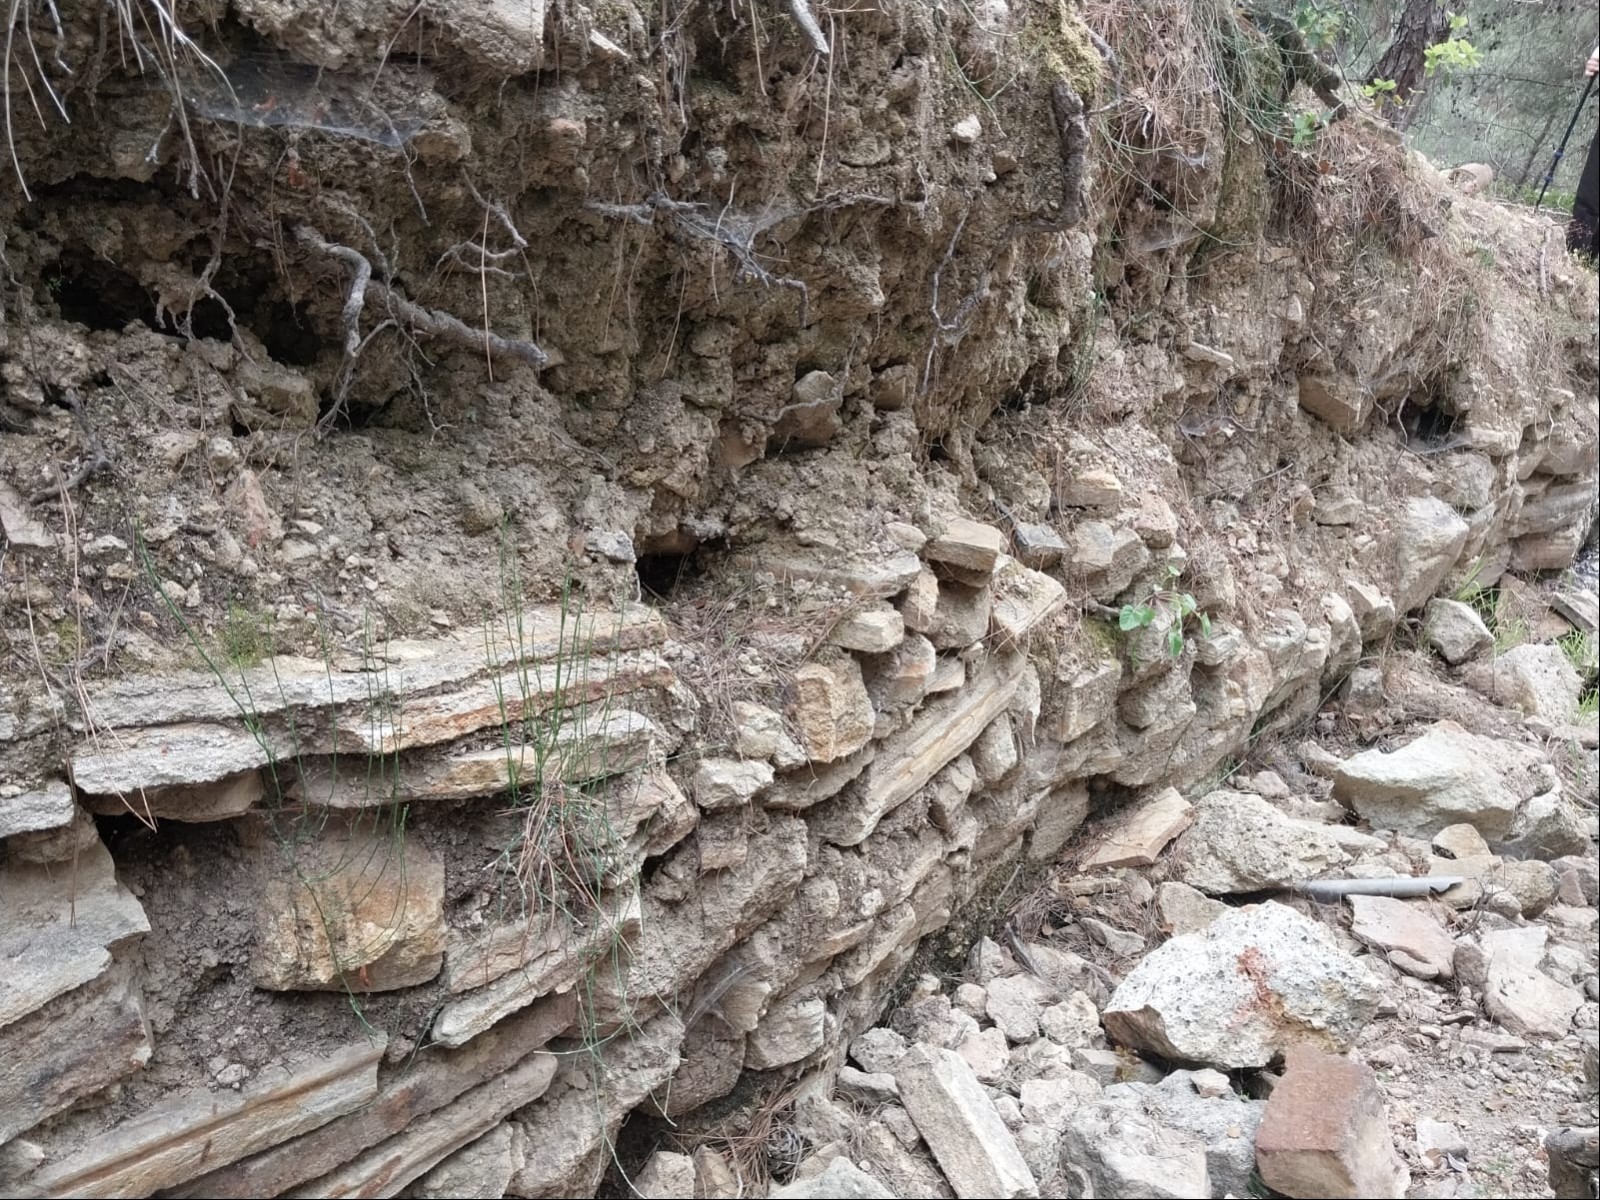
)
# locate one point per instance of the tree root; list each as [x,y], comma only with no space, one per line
[95,458]
[734,233]
[808,24]
[407,312]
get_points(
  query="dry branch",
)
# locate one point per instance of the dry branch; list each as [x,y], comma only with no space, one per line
[808,23]
[407,312]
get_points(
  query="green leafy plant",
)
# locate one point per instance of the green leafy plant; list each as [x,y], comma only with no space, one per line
[1379,91]
[1319,24]
[1179,606]
[1306,127]
[1580,650]
[1455,53]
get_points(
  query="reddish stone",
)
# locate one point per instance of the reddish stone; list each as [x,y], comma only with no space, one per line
[1325,1132]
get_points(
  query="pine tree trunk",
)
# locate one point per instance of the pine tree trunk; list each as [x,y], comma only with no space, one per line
[1423,23]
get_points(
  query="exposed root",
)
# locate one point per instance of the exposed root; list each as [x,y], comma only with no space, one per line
[407,313]
[808,25]
[734,233]
[95,458]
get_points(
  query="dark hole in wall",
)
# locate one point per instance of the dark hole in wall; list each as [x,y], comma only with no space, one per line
[97,293]
[1107,797]
[660,574]
[1425,420]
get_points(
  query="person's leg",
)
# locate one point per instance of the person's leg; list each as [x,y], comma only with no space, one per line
[1583,232]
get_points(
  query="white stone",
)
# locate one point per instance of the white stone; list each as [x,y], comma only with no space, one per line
[1445,777]
[1455,630]
[1428,539]
[729,782]
[958,1121]
[1240,843]
[1238,993]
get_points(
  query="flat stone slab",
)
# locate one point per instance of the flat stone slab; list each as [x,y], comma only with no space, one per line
[1137,838]
[1023,600]
[59,926]
[178,1139]
[539,634]
[425,1082]
[1395,925]
[543,971]
[47,807]
[957,1119]
[908,760]
[583,750]
[389,1166]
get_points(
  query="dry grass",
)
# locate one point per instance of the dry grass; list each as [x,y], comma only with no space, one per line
[759,1143]
[742,651]
[144,36]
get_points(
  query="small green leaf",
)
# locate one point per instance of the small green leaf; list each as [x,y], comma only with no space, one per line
[1175,641]
[1128,618]
[1205,624]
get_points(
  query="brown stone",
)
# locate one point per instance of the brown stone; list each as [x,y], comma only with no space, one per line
[222,800]
[961,616]
[389,1166]
[1094,488]
[70,1047]
[505,700]
[553,960]
[966,545]
[1023,600]
[908,760]
[1395,925]
[1325,1132]
[357,908]
[831,711]
[582,750]
[1340,401]
[919,606]
[1137,838]
[544,634]
[570,1130]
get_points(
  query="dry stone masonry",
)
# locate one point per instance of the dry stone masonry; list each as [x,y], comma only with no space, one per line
[610,600]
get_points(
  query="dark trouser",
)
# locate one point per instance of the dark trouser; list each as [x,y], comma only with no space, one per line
[1583,233]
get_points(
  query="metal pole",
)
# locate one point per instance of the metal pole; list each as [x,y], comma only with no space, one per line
[1562,149]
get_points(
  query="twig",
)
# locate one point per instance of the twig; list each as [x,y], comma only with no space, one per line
[95,457]
[419,319]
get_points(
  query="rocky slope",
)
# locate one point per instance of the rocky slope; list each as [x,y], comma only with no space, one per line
[557,560]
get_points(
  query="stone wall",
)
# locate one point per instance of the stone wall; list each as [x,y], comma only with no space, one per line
[434,883]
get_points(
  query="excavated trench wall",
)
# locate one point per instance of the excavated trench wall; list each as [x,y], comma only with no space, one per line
[547,551]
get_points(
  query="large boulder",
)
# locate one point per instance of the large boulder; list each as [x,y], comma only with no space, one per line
[1535,678]
[1238,993]
[1240,843]
[1445,777]
[1428,539]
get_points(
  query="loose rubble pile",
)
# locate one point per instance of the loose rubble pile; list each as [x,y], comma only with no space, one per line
[1321,1039]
